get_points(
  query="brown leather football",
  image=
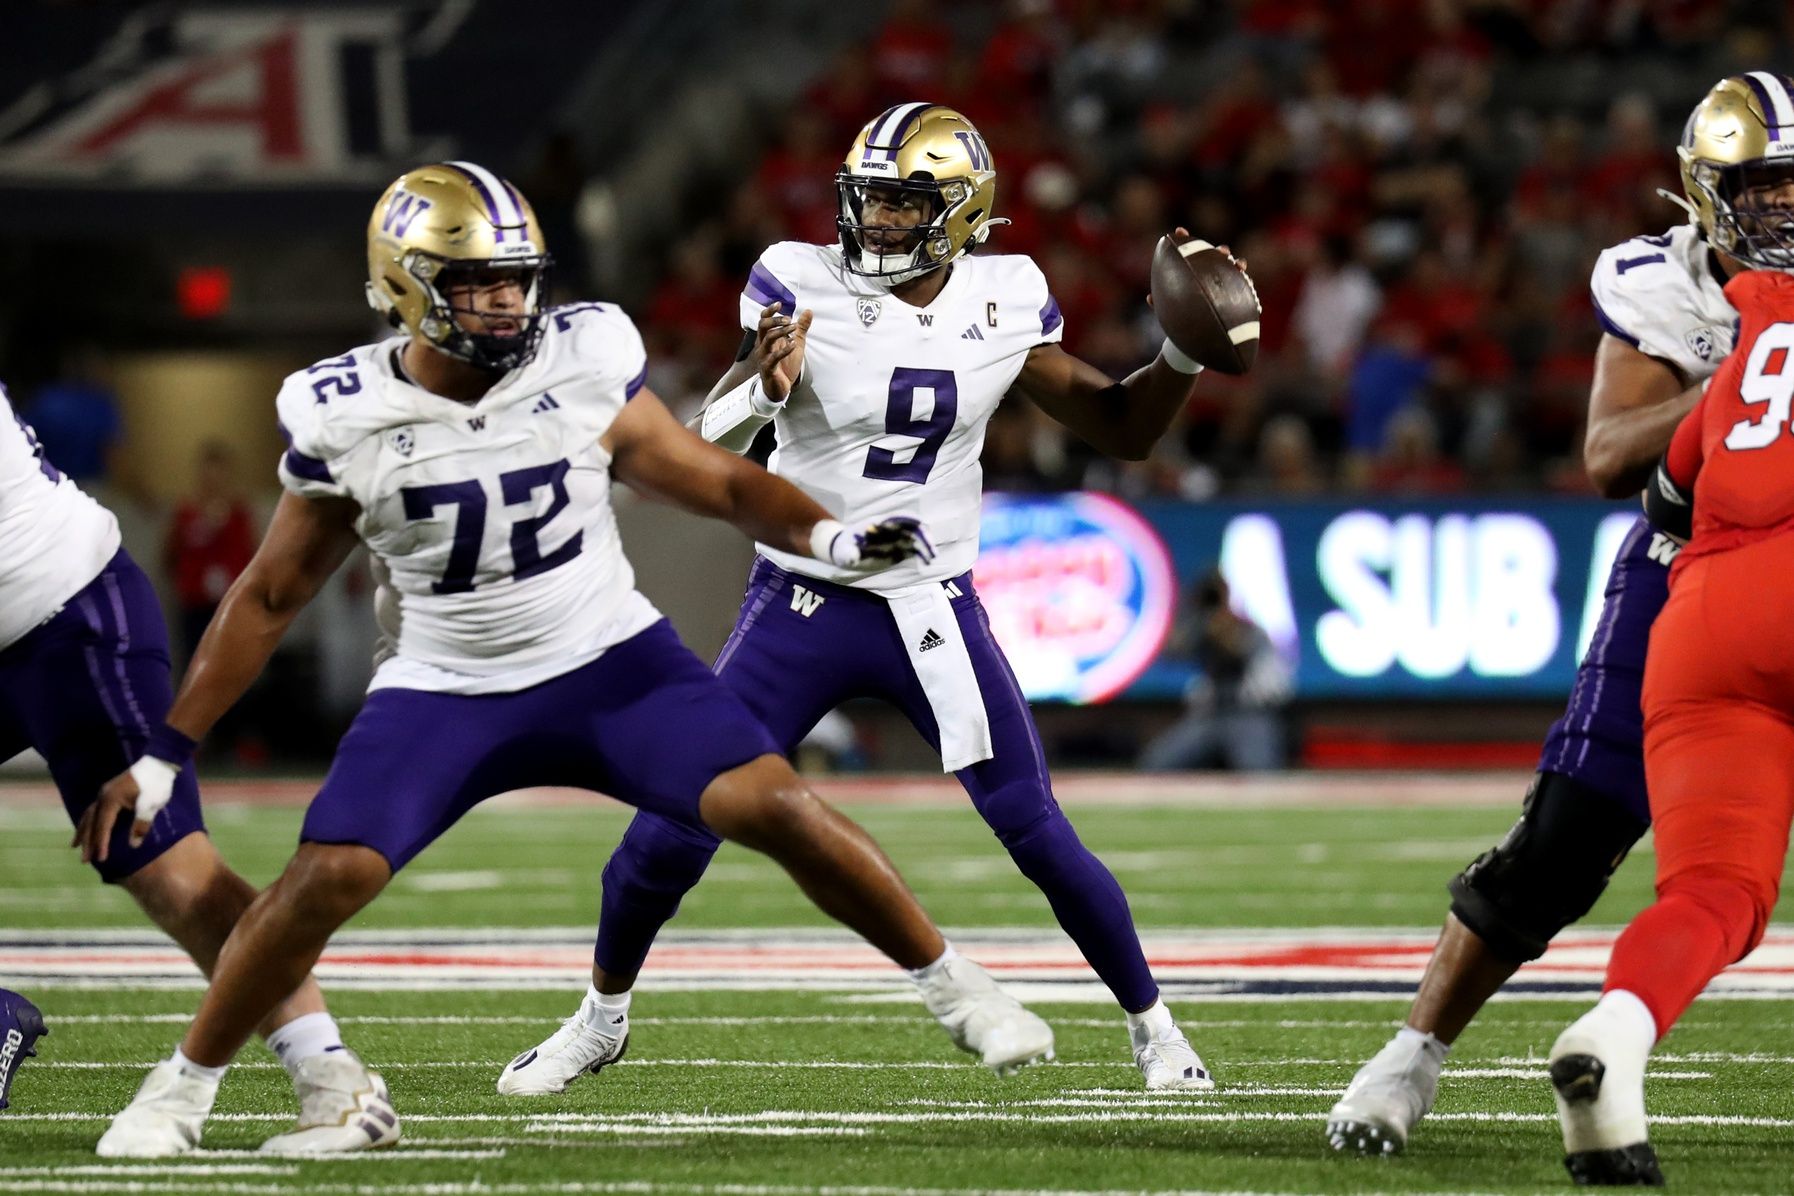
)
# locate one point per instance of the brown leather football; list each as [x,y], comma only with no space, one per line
[1205,303]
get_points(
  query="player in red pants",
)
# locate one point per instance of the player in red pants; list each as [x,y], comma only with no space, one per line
[1719,733]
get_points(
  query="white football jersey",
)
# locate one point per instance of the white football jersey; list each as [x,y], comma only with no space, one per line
[54,539]
[889,416]
[490,523]
[1664,296]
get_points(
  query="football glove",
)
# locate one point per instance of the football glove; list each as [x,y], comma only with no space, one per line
[879,546]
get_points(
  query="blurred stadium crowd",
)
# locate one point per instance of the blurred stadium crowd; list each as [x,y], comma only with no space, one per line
[1419,187]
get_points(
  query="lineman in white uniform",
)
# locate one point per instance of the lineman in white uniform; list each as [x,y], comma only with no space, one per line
[474,457]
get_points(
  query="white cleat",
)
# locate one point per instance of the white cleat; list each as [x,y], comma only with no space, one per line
[164,1119]
[1597,1073]
[982,1018]
[343,1107]
[578,1048]
[1388,1097]
[1167,1061]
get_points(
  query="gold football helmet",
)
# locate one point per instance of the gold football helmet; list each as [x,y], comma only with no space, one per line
[1739,142]
[928,155]
[447,221]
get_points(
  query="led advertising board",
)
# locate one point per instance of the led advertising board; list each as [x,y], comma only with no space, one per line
[1461,600]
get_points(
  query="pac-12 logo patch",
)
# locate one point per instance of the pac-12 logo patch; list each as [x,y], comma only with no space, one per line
[869,310]
[402,441]
[1704,342]
[1080,592]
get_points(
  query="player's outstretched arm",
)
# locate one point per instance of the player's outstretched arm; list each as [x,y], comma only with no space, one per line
[653,454]
[1633,409]
[307,540]
[1118,419]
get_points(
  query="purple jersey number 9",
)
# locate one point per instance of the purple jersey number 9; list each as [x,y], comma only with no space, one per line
[901,420]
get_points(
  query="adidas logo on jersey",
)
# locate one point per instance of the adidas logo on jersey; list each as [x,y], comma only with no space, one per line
[931,640]
[545,403]
[971,334]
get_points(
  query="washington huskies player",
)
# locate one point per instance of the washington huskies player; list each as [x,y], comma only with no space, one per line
[475,457]
[84,679]
[1667,327]
[880,361]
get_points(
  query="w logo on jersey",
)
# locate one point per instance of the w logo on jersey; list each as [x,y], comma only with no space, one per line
[401,210]
[805,602]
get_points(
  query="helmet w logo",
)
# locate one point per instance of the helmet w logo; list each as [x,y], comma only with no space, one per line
[401,210]
[975,148]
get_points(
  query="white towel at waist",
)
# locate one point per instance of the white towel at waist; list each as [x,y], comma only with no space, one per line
[937,653]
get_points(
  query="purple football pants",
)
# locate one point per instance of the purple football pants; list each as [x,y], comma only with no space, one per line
[84,688]
[790,668]
[1599,741]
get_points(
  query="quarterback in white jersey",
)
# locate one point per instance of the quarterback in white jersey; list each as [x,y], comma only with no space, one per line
[84,680]
[888,417]
[474,456]
[879,360]
[1667,327]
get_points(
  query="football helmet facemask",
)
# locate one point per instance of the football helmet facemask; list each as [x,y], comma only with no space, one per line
[451,225]
[921,154]
[1738,143]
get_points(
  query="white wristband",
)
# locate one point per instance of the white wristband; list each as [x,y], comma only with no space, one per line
[830,542]
[155,785]
[1178,360]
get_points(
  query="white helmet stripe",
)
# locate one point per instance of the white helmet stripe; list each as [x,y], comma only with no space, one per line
[887,130]
[505,212]
[1782,104]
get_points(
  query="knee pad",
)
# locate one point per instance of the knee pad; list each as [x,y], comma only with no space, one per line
[1548,872]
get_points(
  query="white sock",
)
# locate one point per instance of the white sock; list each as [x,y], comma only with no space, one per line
[305,1037]
[210,1074]
[1426,1041]
[933,969]
[1155,1017]
[604,1009]
[1629,1016]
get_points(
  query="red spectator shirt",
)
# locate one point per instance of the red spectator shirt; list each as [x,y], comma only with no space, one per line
[206,555]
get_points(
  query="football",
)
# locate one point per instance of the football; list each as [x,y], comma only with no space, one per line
[1205,303]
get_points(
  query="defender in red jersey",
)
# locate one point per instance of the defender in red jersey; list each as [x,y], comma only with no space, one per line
[1719,735]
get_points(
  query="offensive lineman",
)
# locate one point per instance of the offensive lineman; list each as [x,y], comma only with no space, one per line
[474,457]
[84,679]
[879,361]
[1668,325]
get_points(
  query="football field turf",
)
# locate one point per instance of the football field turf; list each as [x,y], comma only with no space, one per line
[771,1056]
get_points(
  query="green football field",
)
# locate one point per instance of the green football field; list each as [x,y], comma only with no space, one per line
[771,1057]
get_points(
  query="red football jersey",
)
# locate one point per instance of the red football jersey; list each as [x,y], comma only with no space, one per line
[1736,449]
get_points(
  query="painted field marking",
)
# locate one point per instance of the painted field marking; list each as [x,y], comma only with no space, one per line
[571,1122]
